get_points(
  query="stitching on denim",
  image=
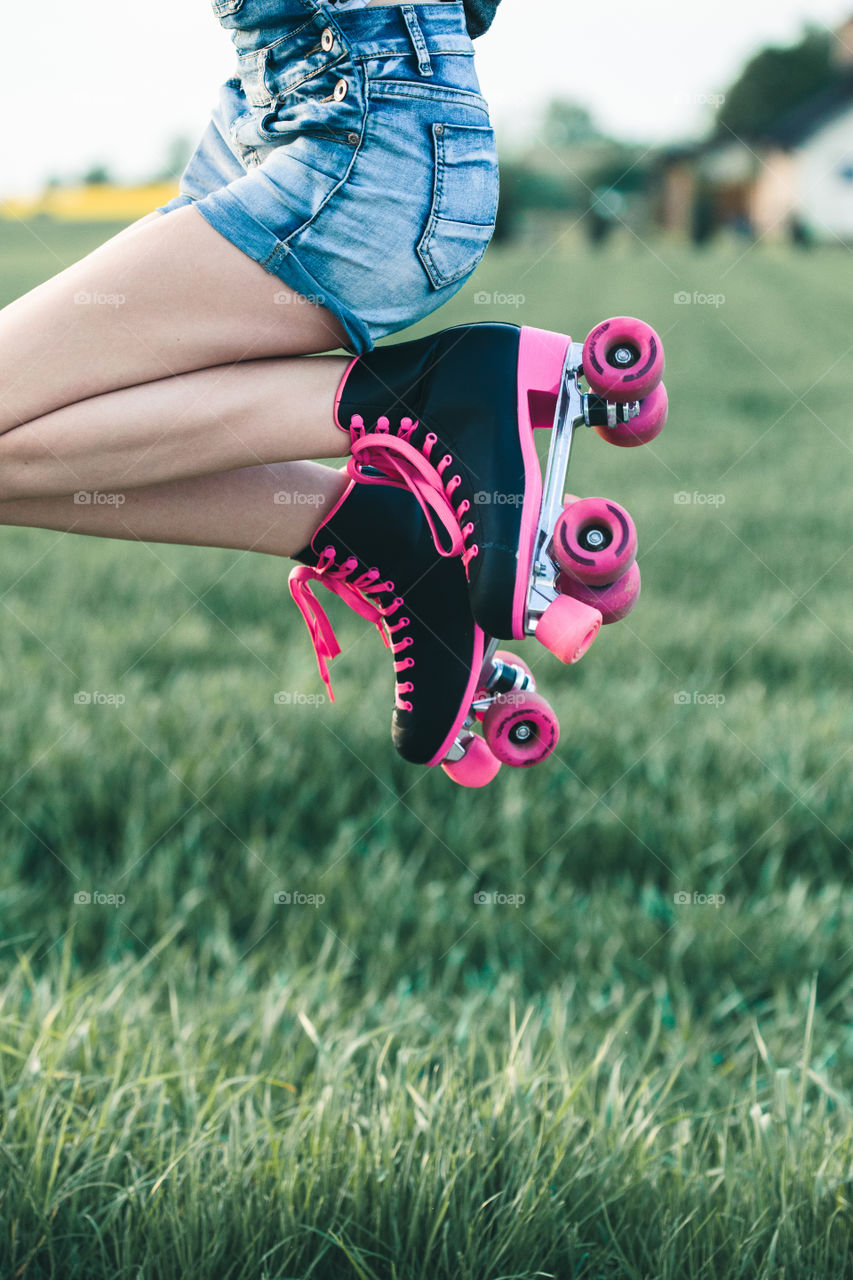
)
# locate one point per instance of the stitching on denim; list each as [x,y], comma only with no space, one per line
[350,319]
[291,35]
[438,277]
[409,17]
[429,231]
[283,246]
[365,52]
[377,89]
[310,75]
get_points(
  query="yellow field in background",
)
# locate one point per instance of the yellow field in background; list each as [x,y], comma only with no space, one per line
[95,203]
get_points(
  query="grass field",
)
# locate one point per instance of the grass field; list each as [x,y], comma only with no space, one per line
[398,1083]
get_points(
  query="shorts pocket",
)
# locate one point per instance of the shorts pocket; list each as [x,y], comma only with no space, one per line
[464,203]
[223,7]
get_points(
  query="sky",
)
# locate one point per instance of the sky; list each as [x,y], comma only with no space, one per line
[98,81]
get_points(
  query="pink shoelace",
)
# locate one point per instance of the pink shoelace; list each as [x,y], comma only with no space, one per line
[406,466]
[355,593]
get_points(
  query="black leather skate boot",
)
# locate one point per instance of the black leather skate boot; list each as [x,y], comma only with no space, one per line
[451,416]
[376,552]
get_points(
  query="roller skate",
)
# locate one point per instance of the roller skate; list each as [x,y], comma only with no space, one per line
[375,551]
[452,417]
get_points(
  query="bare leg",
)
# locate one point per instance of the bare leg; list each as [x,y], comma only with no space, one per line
[273,410]
[165,296]
[274,509]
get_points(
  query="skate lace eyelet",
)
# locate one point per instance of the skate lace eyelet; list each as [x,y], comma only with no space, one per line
[364,594]
[387,455]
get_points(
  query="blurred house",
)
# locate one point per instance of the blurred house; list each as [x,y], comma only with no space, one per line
[796,181]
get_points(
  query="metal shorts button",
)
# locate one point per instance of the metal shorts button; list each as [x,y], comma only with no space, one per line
[340,91]
[327,39]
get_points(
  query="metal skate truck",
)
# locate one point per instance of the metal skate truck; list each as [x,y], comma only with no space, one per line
[450,539]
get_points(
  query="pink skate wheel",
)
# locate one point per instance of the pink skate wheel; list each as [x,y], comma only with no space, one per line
[521,729]
[613,601]
[594,541]
[477,767]
[623,359]
[568,627]
[648,423]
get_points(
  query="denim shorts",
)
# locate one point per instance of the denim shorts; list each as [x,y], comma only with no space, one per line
[352,156]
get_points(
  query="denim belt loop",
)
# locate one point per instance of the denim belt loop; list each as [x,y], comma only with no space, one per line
[417,36]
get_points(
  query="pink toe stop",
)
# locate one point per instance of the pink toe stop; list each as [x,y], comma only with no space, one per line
[477,768]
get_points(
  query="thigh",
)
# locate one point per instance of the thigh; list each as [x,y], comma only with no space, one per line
[164,297]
